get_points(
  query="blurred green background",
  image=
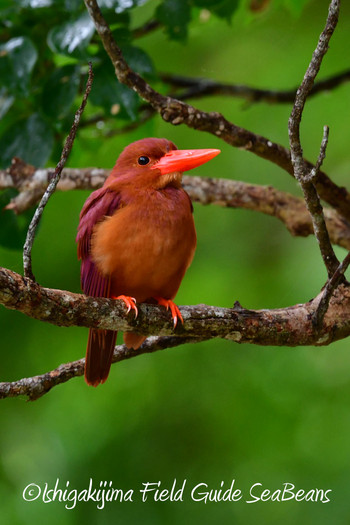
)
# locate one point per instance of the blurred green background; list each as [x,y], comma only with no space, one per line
[214,411]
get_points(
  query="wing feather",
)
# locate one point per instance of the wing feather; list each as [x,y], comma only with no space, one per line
[101,203]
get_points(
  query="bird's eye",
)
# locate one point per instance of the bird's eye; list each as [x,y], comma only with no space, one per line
[143,160]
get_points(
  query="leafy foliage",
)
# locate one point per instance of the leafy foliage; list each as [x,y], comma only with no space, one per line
[41,72]
[221,8]
[44,49]
[19,56]
[45,46]
[175,16]
[41,65]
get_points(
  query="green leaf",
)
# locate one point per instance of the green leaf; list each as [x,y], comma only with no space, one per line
[7,9]
[35,4]
[6,101]
[72,37]
[119,6]
[68,5]
[138,60]
[63,5]
[129,101]
[60,91]
[14,227]
[30,139]
[72,5]
[17,59]
[221,8]
[114,97]
[6,5]
[123,36]
[175,16]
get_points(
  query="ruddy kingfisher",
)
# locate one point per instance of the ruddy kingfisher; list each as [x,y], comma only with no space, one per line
[136,238]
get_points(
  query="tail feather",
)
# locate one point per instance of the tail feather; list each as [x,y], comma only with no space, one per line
[99,355]
[133,340]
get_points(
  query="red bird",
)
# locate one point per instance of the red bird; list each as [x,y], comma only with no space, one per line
[136,238]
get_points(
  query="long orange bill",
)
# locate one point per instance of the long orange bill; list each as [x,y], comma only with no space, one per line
[184,159]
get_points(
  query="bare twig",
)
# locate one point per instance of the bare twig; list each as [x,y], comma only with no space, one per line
[27,249]
[37,386]
[93,120]
[290,210]
[312,176]
[201,87]
[302,172]
[145,29]
[328,291]
[177,112]
[290,326]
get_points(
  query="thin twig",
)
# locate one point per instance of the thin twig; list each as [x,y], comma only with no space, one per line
[177,112]
[200,87]
[315,209]
[36,386]
[301,170]
[312,176]
[328,291]
[147,28]
[27,249]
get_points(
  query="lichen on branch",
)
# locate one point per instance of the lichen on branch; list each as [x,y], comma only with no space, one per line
[290,210]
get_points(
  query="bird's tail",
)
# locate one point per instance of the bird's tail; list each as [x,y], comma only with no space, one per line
[133,340]
[99,355]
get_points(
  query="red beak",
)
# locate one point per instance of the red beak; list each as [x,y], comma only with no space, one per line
[184,159]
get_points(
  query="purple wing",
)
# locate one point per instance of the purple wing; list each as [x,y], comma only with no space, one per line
[100,204]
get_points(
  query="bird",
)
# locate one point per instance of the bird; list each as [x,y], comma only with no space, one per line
[136,238]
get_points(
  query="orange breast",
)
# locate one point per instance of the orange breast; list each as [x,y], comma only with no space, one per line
[147,246]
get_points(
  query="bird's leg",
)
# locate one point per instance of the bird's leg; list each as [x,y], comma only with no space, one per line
[175,312]
[130,302]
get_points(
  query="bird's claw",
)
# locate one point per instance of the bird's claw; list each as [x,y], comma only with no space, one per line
[174,309]
[130,303]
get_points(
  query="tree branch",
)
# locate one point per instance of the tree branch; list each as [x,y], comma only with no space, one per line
[37,386]
[178,112]
[27,249]
[307,178]
[292,326]
[302,173]
[201,87]
[290,210]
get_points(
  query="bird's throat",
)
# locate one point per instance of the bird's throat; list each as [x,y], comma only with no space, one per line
[171,179]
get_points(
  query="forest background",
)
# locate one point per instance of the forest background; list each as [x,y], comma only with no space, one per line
[210,412]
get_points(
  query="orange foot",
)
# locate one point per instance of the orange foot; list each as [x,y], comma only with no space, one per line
[175,312]
[130,302]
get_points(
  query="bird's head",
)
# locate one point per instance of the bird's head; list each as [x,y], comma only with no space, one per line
[157,163]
